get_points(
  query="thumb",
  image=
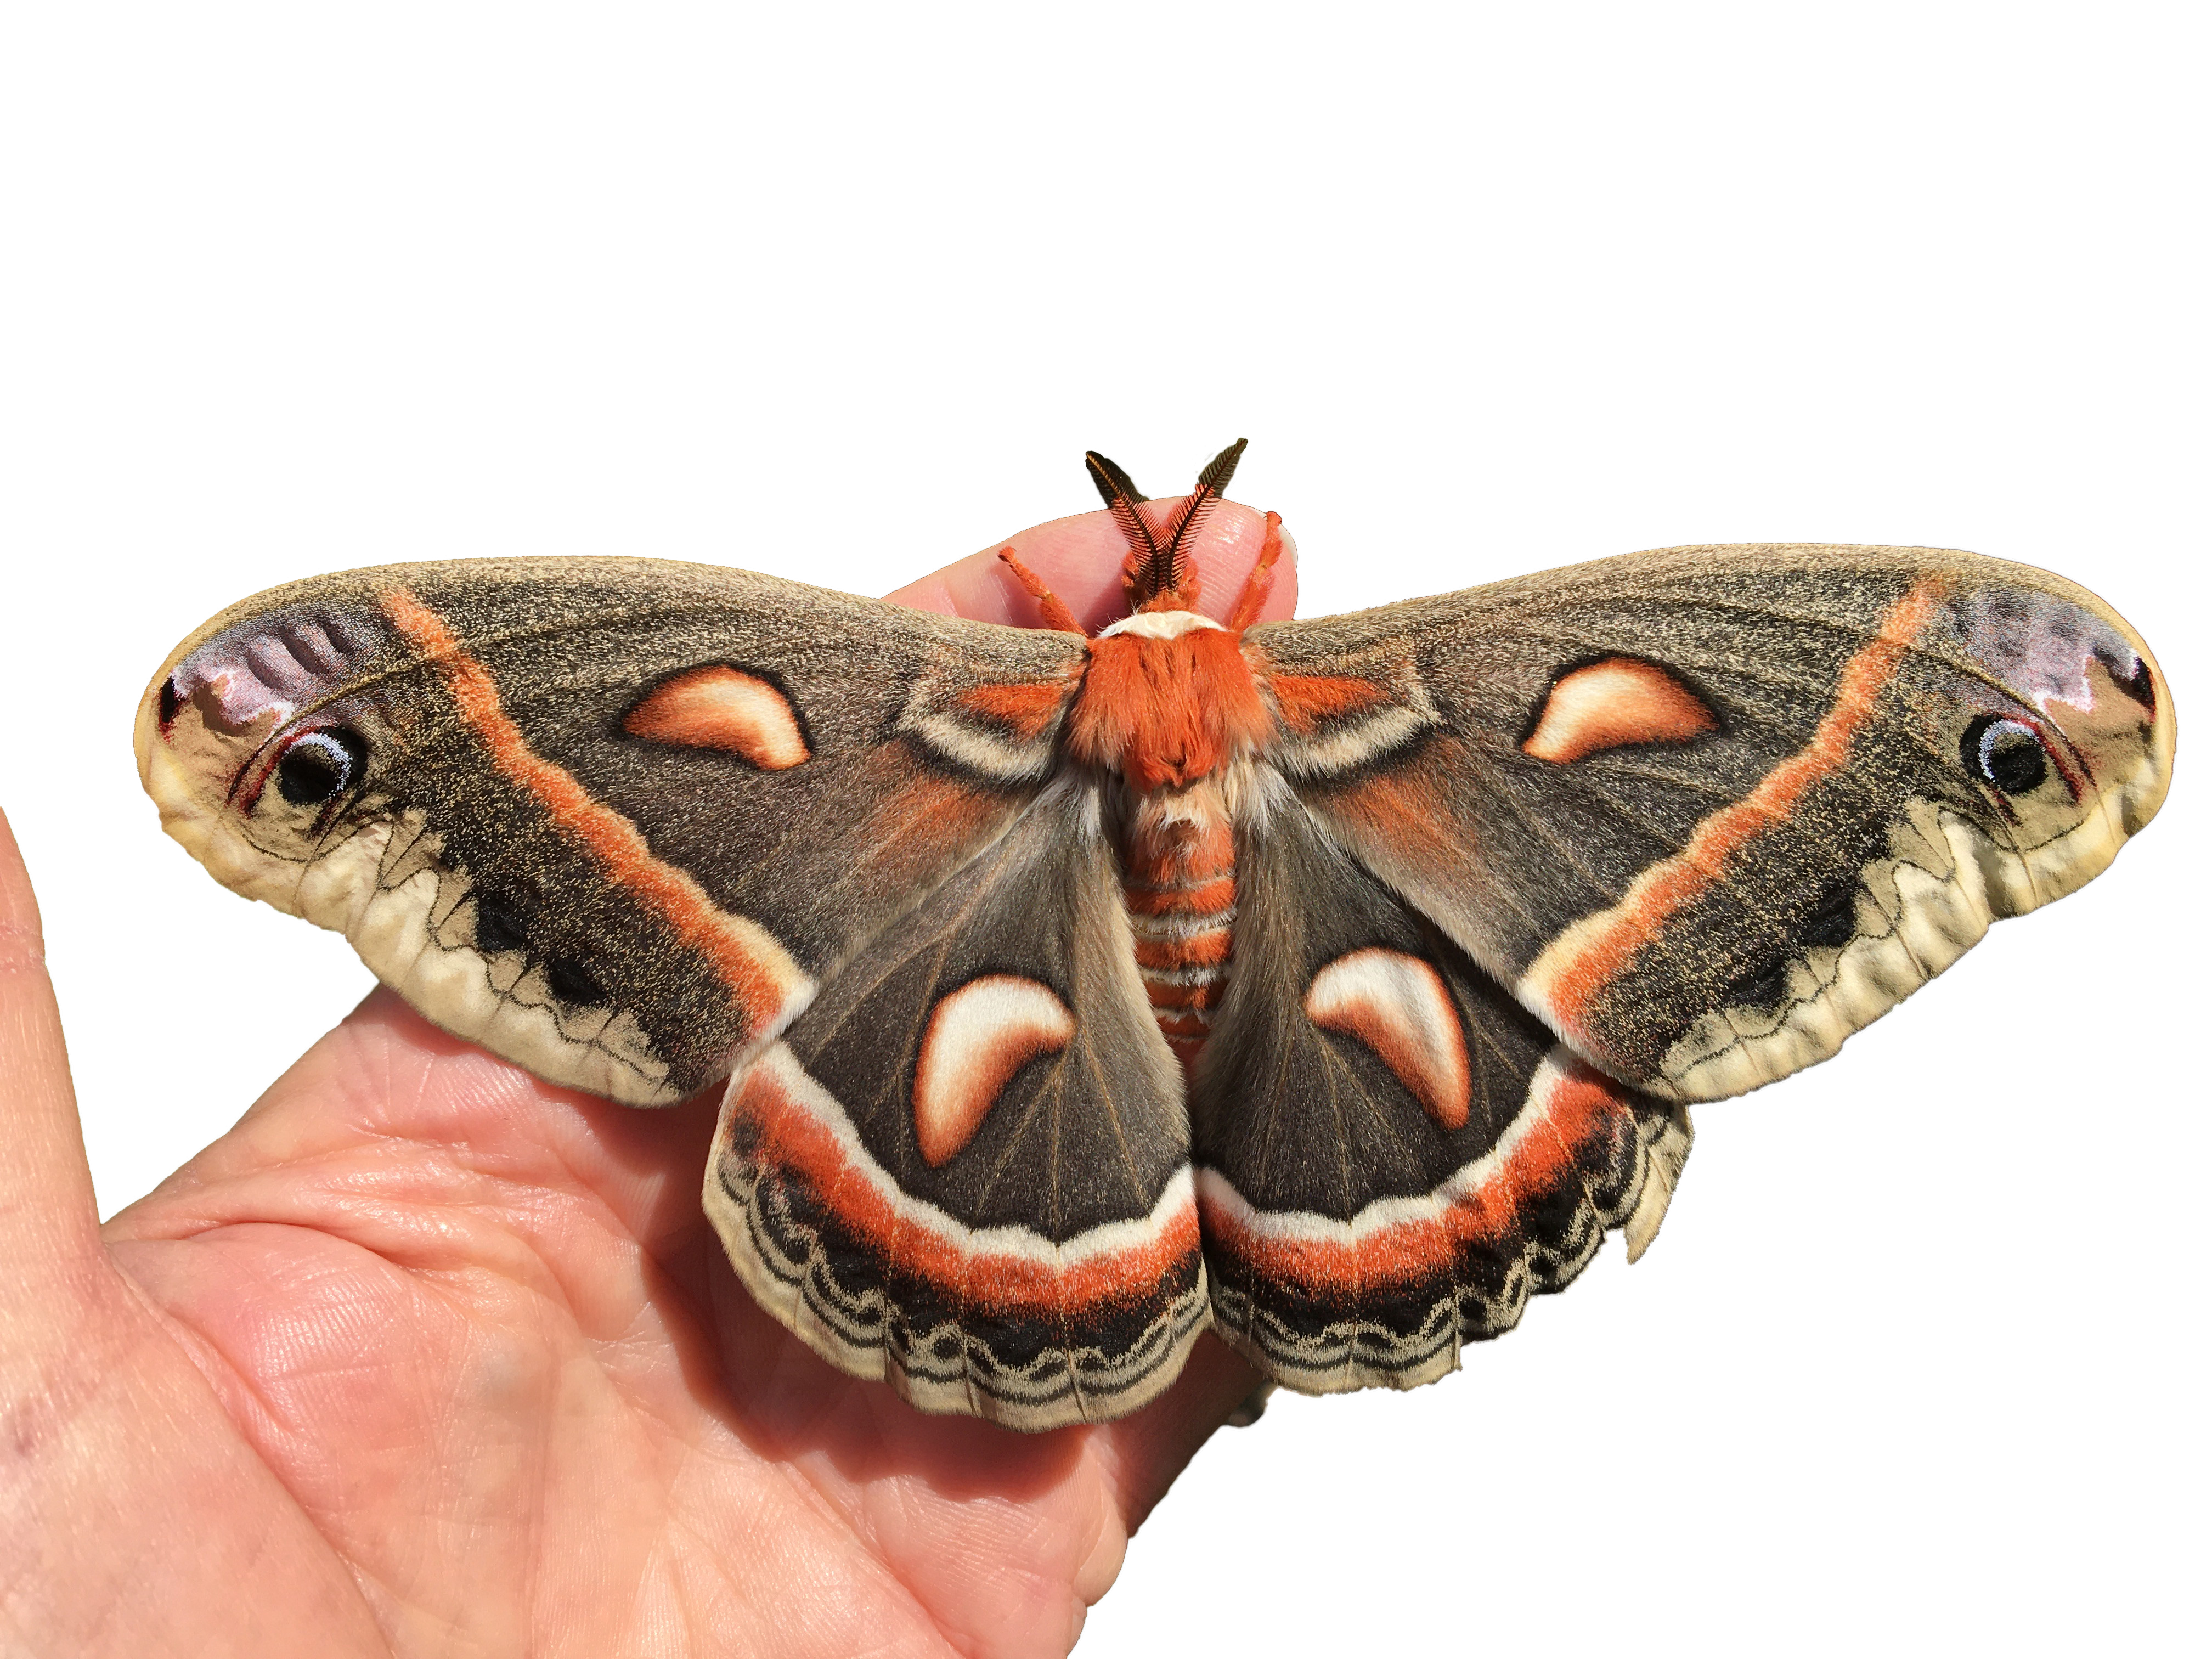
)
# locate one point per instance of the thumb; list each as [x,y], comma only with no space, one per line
[48,1219]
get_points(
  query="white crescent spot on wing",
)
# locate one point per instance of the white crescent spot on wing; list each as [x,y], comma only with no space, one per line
[1614,702]
[1398,1007]
[723,709]
[979,1037]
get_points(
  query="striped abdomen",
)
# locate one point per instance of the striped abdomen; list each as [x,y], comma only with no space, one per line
[1179,882]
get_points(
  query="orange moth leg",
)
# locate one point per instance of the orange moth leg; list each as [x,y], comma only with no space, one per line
[1262,581]
[1050,606]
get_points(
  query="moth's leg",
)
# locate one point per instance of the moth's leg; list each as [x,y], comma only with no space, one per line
[1055,613]
[1262,579]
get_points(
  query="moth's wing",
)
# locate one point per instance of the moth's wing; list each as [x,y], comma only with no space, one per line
[965,1169]
[1392,1155]
[613,819]
[1708,811]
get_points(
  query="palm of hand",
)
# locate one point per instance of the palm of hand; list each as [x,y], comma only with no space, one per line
[480,1332]
[428,1356]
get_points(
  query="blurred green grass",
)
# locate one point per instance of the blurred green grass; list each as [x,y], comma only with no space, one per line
[1657,1410]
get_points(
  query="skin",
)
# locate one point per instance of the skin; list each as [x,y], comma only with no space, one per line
[428,1356]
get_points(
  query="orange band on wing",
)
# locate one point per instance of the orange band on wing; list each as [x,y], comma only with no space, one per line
[1306,699]
[796,1144]
[1597,949]
[1026,708]
[1339,1261]
[767,984]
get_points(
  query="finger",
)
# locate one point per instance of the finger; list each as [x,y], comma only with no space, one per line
[1143,1452]
[134,1518]
[48,1217]
[1080,559]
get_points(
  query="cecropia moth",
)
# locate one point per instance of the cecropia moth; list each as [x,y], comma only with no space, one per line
[1337,984]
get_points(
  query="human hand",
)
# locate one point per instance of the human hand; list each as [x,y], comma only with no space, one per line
[426,1355]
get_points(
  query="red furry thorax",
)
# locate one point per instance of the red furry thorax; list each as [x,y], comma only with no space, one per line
[1166,713]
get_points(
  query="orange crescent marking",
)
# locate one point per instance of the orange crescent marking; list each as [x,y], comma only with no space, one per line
[1397,1005]
[979,1037]
[764,980]
[1608,704]
[1667,887]
[723,708]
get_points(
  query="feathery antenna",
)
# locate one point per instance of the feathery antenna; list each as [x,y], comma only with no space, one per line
[1160,564]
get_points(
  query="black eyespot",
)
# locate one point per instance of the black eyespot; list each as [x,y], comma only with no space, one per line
[572,981]
[320,766]
[170,701]
[498,928]
[2004,753]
